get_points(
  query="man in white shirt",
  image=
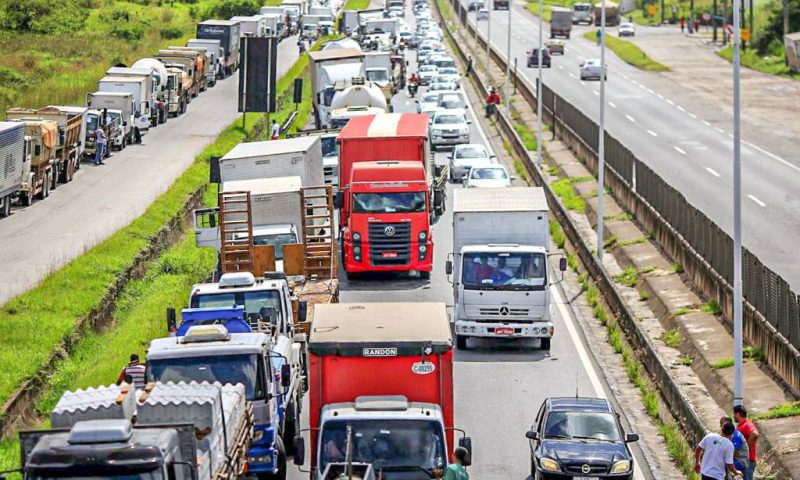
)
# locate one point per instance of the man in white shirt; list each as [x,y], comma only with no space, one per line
[716,452]
[276,130]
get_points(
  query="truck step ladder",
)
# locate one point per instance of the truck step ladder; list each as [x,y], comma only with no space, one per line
[318,232]
[236,232]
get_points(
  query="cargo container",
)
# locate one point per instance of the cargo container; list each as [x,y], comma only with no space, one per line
[275,158]
[12,149]
[227,32]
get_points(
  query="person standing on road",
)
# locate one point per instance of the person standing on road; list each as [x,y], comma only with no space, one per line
[750,433]
[100,141]
[276,130]
[457,470]
[713,456]
[133,373]
[741,451]
[469,67]
[683,24]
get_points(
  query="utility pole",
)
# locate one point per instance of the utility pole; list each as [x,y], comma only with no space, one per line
[508,64]
[737,211]
[662,12]
[539,89]
[488,39]
[714,22]
[601,161]
[691,16]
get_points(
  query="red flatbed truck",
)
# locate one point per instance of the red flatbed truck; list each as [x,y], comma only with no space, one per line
[380,391]
[390,192]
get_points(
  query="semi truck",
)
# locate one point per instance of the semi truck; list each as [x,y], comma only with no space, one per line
[612,13]
[227,32]
[500,271]
[327,69]
[205,350]
[215,50]
[179,90]
[182,431]
[209,60]
[560,22]
[381,391]
[387,206]
[112,102]
[300,156]
[39,159]
[357,99]
[13,149]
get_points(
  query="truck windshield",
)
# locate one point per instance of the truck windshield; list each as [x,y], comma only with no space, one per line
[277,240]
[91,122]
[377,75]
[389,445]
[244,369]
[252,301]
[329,147]
[389,202]
[504,271]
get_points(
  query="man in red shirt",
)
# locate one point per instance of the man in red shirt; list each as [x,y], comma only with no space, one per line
[750,433]
[492,100]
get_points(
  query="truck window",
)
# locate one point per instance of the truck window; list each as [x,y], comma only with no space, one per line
[389,202]
[91,122]
[379,75]
[252,301]
[245,369]
[504,271]
[329,147]
[394,447]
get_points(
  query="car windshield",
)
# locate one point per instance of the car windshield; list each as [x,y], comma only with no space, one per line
[427,68]
[448,119]
[488,174]
[277,240]
[451,102]
[391,446]
[471,152]
[244,369]
[399,202]
[504,271]
[582,8]
[252,301]
[377,75]
[582,425]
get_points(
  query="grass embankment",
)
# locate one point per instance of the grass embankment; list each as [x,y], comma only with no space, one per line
[629,52]
[356,5]
[770,64]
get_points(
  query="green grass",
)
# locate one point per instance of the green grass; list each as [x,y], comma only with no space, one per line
[677,267]
[783,410]
[682,311]
[632,241]
[629,277]
[749,354]
[723,363]
[770,64]
[629,52]
[528,137]
[671,338]
[622,216]
[686,361]
[570,199]
[573,262]
[356,5]
[644,295]
[557,234]
[712,307]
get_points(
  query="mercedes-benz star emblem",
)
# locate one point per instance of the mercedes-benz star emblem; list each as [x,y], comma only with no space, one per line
[586,468]
[389,231]
[504,311]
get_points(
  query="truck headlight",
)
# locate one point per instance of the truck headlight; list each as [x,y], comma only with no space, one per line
[356,236]
[549,465]
[535,331]
[423,235]
[621,466]
[423,249]
[357,250]
[260,459]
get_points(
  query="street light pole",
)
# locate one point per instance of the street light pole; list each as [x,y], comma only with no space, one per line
[539,92]
[508,64]
[737,210]
[488,39]
[601,161]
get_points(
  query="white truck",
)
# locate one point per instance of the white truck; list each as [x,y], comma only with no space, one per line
[327,69]
[117,101]
[216,52]
[499,267]
[151,84]
[273,25]
[379,70]
[251,26]
[182,431]
[139,87]
[355,100]
[13,151]
[161,81]
[300,156]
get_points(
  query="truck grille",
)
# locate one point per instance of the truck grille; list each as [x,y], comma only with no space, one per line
[389,243]
[507,312]
[329,172]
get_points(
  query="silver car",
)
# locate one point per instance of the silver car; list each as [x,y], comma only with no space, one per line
[626,30]
[427,101]
[488,176]
[426,73]
[591,70]
[449,74]
[466,156]
[440,84]
[449,127]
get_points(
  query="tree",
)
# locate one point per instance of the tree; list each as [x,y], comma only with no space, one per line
[21,15]
[231,8]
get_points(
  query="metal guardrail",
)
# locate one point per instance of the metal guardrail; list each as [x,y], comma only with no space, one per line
[772,309]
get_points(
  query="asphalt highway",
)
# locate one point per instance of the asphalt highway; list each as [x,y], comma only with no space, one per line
[41,238]
[686,140]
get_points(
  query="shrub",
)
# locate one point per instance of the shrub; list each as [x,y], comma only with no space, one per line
[21,16]
[10,77]
[232,8]
[171,32]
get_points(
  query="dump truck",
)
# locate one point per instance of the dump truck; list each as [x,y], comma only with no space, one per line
[612,13]
[186,431]
[227,32]
[208,71]
[328,68]
[194,64]
[179,88]
[14,148]
[381,380]
[213,48]
[561,22]
[39,175]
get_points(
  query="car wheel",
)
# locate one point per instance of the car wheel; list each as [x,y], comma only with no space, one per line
[461,342]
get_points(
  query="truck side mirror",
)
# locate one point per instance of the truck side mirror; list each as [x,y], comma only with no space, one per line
[286,375]
[299,445]
[448,267]
[562,264]
[466,443]
[172,319]
[338,200]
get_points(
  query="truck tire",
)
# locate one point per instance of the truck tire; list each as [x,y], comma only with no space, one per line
[290,427]
[6,209]
[45,187]
[54,174]
[425,275]
[545,345]
[461,342]
[26,199]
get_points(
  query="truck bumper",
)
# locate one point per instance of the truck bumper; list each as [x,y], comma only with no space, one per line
[262,457]
[470,328]
[438,141]
[420,262]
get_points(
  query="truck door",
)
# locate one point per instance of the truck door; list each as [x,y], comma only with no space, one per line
[206,227]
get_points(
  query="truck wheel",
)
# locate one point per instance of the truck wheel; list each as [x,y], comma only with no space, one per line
[425,275]
[290,427]
[6,210]
[545,344]
[461,342]
[45,187]
[26,199]
[53,179]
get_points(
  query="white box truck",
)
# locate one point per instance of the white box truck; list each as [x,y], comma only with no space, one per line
[251,26]
[499,265]
[117,101]
[12,151]
[151,85]
[327,69]
[139,87]
[275,158]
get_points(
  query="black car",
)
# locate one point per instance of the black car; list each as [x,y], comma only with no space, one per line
[579,438]
[533,58]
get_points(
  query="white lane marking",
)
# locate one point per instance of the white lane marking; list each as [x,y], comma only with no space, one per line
[680,150]
[773,156]
[561,67]
[712,171]
[596,92]
[627,78]
[719,130]
[757,201]
[642,87]
[571,74]
[612,104]
[681,108]
[661,96]
[706,123]
[651,91]
[634,82]
[670,102]
[693,115]
[583,83]
[652,133]
[633,120]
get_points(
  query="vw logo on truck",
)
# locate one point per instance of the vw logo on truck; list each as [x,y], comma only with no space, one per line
[389,231]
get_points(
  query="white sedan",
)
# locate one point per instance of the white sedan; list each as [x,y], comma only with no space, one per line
[440,84]
[467,156]
[449,127]
[489,176]
[427,101]
[448,74]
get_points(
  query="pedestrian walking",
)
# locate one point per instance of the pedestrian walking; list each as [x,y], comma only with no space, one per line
[101,141]
[133,373]
[750,433]
[696,26]
[714,455]
[683,24]
[457,470]
[276,130]
[469,67]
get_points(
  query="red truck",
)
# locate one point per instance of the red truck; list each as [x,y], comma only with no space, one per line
[390,192]
[380,391]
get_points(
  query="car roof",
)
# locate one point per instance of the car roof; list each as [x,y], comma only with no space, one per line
[584,404]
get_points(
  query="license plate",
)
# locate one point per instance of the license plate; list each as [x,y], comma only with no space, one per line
[504,331]
[586,478]
[389,255]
